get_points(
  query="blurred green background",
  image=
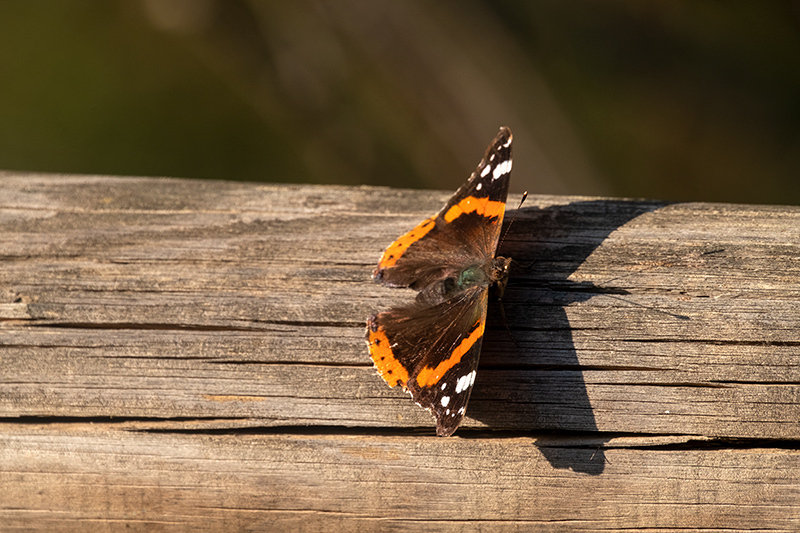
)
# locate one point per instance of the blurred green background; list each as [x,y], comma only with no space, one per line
[674,100]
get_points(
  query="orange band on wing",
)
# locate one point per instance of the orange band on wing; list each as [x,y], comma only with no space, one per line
[471,204]
[398,247]
[430,376]
[388,366]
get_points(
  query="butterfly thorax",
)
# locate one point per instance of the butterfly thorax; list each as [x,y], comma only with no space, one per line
[477,276]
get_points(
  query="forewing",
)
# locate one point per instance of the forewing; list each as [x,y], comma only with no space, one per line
[466,229]
[432,352]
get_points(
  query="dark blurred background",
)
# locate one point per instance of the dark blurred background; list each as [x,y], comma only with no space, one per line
[673,100]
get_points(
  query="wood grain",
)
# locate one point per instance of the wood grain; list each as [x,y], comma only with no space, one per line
[191,354]
[102,479]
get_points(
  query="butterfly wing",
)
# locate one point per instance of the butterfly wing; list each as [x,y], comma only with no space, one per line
[432,346]
[432,352]
[467,229]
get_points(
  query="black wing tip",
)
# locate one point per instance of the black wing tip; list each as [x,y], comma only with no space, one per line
[445,431]
[503,139]
[500,145]
[447,421]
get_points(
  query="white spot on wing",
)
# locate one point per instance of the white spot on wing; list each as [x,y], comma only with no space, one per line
[465,382]
[486,170]
[445,401]
[501,169]
[444,386]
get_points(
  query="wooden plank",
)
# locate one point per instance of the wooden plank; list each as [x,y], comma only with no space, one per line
[177,354]
[312,482]
[240,301]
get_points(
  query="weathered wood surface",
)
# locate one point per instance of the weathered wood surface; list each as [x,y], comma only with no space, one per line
[179,354]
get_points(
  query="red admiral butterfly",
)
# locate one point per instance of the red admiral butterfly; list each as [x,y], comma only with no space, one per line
[431,347]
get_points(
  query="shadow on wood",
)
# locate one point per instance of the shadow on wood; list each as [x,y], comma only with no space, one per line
[556,398]
[192,353]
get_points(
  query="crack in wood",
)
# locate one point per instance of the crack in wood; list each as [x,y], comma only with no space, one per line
[544,439]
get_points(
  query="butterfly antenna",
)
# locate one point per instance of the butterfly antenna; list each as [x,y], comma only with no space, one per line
[500,299]
[505,323]
[513,218]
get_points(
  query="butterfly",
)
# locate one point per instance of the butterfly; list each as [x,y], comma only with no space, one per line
[431,346]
